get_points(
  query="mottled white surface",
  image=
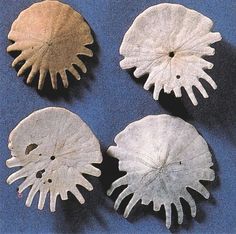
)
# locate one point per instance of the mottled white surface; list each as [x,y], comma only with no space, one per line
[50,35]
[167,41]
[162,155]
[53,147]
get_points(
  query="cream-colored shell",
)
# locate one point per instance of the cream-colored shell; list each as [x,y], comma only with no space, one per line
[50,35]
[167,41]
[162,155]
[54,148]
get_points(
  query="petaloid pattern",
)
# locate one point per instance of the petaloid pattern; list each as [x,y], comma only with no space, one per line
[163,156]
[50,36]
[168,41]
[54,148]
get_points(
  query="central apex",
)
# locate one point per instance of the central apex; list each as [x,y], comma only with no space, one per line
[172,54]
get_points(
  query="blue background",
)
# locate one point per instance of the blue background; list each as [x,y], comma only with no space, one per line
[108,99]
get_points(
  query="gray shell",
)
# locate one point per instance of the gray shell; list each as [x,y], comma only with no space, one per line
[53,147]
[162,155]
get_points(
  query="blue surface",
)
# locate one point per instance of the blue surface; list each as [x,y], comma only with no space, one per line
[108,99]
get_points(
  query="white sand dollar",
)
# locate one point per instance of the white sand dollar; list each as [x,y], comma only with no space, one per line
[162,155]
[167,41]
[54,148]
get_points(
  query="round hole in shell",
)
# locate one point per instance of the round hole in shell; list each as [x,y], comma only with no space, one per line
[52,158]
[172,54]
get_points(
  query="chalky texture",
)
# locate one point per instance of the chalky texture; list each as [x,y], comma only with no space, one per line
[53,147]
[50,36]
[162,156]
[168,41]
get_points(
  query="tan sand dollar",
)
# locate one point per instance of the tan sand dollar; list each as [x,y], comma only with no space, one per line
[163,156]
[54,148]
[168,41]
[50,36]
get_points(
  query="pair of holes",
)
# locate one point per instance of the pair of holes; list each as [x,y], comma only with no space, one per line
[172,55]
[39,174]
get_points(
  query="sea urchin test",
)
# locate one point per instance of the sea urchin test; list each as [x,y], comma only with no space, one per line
[163,156]
[50,36]
[54,148]
[168,41]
